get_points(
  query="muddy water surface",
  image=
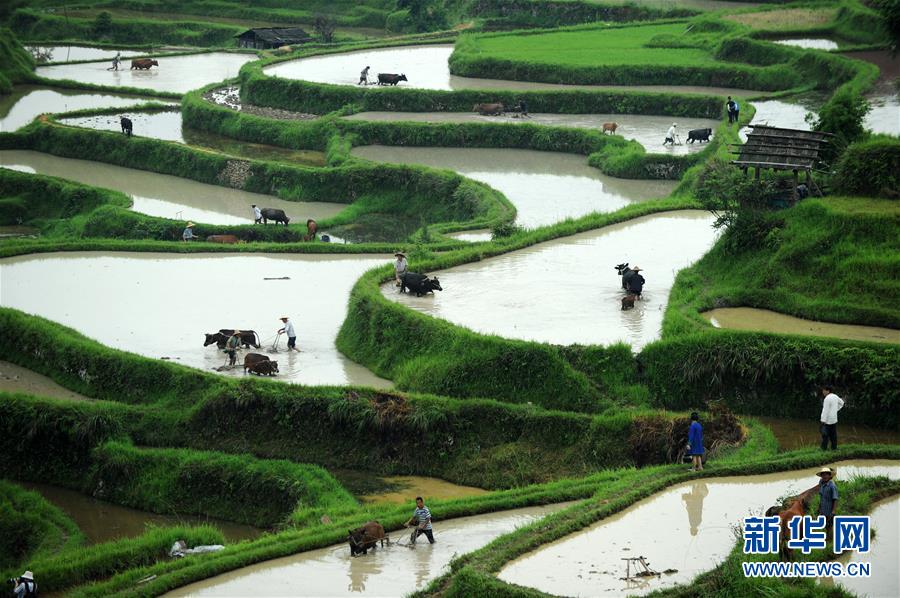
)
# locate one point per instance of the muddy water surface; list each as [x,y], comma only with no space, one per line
[70,53]
[809,43]
[545,187]
[102,521]
[15,378]
[405,488]
[803,433]
[426,68]
[176,74]
[566,291]
[687,527]
[884,99]
[160,305]
[163,195]
[649,131]
[750,318]
[883,556]
[27,101]
[391,571]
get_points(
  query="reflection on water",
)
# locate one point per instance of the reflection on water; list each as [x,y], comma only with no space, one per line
[389,571]
[657,529]
[27,101]
[160,305]
[751,318]
[14,378]
[71,53]
[779,113]
[799,433]
[101,521]
[566,291]
[166,196]
[175,74]
[545,187]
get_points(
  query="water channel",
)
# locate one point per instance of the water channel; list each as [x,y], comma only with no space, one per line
[166,196]
[566,291]
[161,304]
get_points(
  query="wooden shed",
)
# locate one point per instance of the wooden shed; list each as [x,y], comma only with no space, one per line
[265,38]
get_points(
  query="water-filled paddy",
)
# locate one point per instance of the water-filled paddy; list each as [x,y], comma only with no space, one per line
[884,554]
[545,187]
[649,131]
[391,571]
[15,378]
[160,305]
[884,117]
[750,318]
[566,291]
[687,527]
[176,74]
[72,53]
[405,487]
[804,433]
[426,68]
[101,521]
[166,196]
[27,101]
[809,43]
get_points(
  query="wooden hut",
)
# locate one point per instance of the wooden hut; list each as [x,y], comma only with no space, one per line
[265,38]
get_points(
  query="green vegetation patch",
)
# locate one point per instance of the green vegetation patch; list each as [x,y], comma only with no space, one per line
[16,65]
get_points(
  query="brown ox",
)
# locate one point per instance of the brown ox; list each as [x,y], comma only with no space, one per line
[628,301]
[796,508]
[143,64]
[611,127]
[495,109]
[365,537]
[226,239]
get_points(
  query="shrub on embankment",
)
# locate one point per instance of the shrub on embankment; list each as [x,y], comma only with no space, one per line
[870,169]
[16,65]
[521,14]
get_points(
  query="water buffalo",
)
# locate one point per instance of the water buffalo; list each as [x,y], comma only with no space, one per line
[259,364]
[226,239]
[495,109]
[390,78]
[278,216]
[365,537]
[700,135]
[419,284]
[632,281]
[625,272]
[611,127]
[249,338]
[127,126]
[628,301]
[143,64]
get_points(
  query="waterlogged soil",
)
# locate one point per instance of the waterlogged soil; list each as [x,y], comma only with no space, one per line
[28,101]
[164,195]
[389,571]
[404,489]
[567,291]
[175,74]
[160,305]
[883,556]
[649,131]
[426,67]
[803,433]
[15,378]
[750,318]
[545,187]
[689,527]
[102,521]
[72,53]
[810,43]
[167,126]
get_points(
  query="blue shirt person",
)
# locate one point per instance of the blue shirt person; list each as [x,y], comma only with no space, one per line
[695,442]
[421,518]
[828,496]
[188,233]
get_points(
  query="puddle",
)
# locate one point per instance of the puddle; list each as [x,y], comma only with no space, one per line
[649,131]
[391,571]
[101,521]
[884,554]
[545,187]
[168,127]
[567,291]
[70,53]
[809,43]
[116,298]
[750,318]
[15,378]
[687,527]
[27,101]
[164,195]
[406,488]
[426,68]
[175,74]
[803,433]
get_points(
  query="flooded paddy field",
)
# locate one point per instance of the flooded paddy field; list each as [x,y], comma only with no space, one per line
[426,67]
[566,291]
[389,571]
[102,521]
[28,101]
[884,554]
[884,98]
[545,187]
[176,74]
[649,131]
[164,195]
[750,318]
[160,305]
[15,378]
[687,527]
[809,43]
[802,433]
[58,53]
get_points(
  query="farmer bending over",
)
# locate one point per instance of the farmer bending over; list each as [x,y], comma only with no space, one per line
[670,135]
[364,76]
[422,520]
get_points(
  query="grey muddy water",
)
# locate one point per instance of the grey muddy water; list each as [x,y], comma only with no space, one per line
[688,527]
[71,53]
[804,433]
[160,305]
[164,195]
[649,131]
[883,556]
[750,318]
[426,67]
[545,187]
[389,571]
[566,291]
[15,378]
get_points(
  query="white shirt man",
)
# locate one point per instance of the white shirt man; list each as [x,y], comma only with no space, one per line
[831,404]
[288,330]
[257,214]
[670,135]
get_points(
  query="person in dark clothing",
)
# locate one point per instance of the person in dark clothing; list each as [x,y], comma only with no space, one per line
[695,442]
[729,105]
[523,108]
[634,282]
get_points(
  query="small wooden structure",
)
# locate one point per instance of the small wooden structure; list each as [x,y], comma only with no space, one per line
[265,38]
[783,149]
[641,568]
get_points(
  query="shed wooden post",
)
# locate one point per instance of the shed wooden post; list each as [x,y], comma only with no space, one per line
[794,195]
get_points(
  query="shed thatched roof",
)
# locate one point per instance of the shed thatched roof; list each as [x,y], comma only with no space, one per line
[781,149]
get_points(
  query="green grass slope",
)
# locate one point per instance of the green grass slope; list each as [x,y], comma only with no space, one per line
[15,63]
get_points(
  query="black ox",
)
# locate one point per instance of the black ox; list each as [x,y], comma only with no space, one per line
[249,338]
[700,135]
[275,215]
[390,78]
[127,125]
[419,284]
